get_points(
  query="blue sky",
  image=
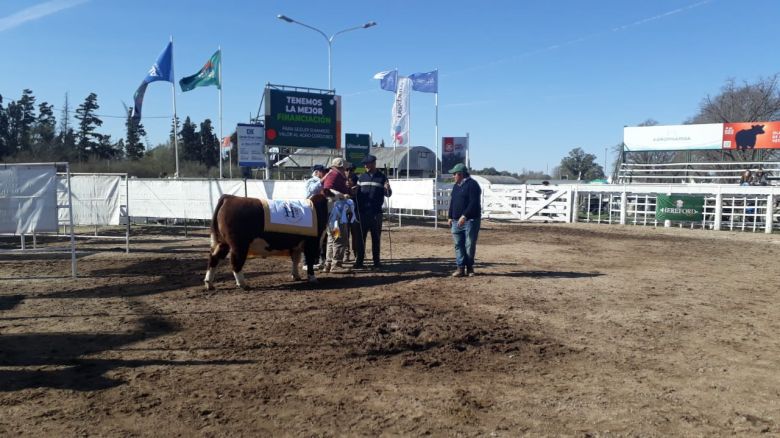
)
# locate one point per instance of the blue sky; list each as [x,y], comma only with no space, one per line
[527,80]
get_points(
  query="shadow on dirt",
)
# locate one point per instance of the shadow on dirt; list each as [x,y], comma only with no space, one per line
[64,350]
[549,274]
[11,301]
[169,274]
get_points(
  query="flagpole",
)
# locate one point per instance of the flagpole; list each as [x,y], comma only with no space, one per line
[409,136]
[395,137]
[437,145]
[175,122]
[436,130]
[219,143]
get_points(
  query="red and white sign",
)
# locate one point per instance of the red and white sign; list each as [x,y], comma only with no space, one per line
[751,135]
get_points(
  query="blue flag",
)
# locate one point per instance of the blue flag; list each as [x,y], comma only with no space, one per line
[161,70]
[388,80]
[425,82]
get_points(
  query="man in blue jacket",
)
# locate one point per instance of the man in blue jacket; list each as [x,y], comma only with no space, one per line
[464,219]
[373,186]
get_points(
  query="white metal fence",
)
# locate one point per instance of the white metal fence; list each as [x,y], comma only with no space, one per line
[726,207]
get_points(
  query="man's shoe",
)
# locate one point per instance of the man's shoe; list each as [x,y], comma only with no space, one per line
[470,271]
[358,266]
[325,268]
[459,273]
[377,266]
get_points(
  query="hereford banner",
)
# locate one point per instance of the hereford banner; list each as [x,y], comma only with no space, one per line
[453,151]
[753,135]
[299,119]
[679,208]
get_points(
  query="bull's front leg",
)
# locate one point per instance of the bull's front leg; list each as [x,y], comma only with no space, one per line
[311,249]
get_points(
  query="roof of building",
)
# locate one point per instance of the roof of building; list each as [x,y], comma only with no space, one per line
[422,158]
[496,179]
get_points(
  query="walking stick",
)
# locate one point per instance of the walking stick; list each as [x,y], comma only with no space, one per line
[390,239]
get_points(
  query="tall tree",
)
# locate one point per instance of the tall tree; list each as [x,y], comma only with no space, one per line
[173,127]
[26,107]
[105,150]
[15,125]
[66,137]
[133,146]
[190,146]
[209,144]
[4,148]
[45,128]
[580,165]
[87,138]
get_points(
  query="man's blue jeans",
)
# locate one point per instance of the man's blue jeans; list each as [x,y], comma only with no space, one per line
[465,239]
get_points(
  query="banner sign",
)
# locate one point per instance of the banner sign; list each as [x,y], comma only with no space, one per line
[673,137]
[357,147]
[400,122]
[28,198]
[679,208]
[299,119]
[753,135]
[453,151]
[251,144]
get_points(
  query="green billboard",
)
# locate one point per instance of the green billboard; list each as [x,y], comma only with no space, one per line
[301,119]
[679,208]
[357,147]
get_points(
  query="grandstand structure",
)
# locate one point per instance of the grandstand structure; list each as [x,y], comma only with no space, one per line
[713,153]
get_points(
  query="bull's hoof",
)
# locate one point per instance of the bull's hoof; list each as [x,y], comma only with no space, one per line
[296,277]
[209,285]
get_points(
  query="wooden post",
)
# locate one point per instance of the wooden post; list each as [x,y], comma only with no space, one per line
[575,206]
[718,213]
[623,207]
[770,207]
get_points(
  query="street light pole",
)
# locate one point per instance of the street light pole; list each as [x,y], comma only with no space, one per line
[328,39]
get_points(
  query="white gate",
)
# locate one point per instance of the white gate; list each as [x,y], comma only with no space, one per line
[531,203]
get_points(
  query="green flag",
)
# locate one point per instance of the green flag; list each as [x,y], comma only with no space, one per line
[208,75]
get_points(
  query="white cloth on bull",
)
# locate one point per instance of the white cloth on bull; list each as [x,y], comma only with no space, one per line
[343,212]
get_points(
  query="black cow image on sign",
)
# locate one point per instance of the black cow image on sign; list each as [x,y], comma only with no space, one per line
[746,138]
[238,228]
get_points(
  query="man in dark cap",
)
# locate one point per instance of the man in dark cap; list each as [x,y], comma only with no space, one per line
[464,219]
[373,186]
[354,227]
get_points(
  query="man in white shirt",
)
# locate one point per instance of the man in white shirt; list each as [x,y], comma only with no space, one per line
[314,184]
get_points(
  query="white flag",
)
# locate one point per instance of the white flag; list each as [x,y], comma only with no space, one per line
[400,126]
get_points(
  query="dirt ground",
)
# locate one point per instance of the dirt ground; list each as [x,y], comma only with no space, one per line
[581,330]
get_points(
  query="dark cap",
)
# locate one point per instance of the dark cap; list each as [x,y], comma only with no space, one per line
[459,168]
[319,167]
[369,159]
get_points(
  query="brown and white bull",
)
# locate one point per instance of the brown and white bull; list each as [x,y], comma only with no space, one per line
[238,228]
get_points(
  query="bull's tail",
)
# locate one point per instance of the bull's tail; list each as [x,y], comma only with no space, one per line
[215,223]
